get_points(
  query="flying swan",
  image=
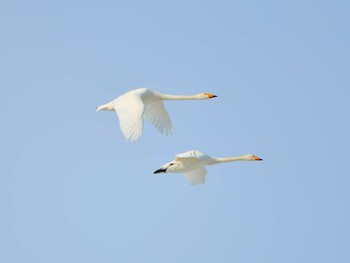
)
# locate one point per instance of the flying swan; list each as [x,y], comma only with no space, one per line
[132,106]
[192,165]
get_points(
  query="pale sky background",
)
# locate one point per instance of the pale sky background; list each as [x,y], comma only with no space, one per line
[73,190]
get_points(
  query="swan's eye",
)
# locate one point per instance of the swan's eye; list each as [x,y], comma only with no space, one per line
[171,164]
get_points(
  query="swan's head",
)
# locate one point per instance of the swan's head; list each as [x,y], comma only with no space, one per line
[252,157]
[204,96]
[172,167]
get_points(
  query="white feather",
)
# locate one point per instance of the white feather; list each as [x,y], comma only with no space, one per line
[130,108]
[197,176]
[157,115]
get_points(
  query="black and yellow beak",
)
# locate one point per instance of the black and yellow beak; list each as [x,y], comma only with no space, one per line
[257,158]
[161,170]
[210,96]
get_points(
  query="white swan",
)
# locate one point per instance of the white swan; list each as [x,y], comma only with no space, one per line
[132,106]
[192,164]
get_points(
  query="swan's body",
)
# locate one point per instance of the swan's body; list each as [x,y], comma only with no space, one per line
[132,106]
[192,164]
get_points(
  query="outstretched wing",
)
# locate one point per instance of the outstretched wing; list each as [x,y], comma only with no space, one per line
[195,161]
[197,176]
[156,114]
[192,154]
[130,108]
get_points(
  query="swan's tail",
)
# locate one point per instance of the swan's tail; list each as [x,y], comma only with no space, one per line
[107,107]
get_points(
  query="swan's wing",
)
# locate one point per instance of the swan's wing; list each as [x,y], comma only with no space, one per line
[156,114]
[130,108]
[197,176]
[195,161]
[192,154]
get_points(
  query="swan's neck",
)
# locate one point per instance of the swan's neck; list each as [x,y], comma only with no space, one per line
[228,159]
[178,97]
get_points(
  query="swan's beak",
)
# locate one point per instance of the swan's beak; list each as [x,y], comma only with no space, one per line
[161,170]
[257,158]
[210,96]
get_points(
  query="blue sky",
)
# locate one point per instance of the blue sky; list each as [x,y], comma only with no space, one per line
[73,190]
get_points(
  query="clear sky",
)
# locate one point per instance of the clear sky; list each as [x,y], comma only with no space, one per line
[73,190]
